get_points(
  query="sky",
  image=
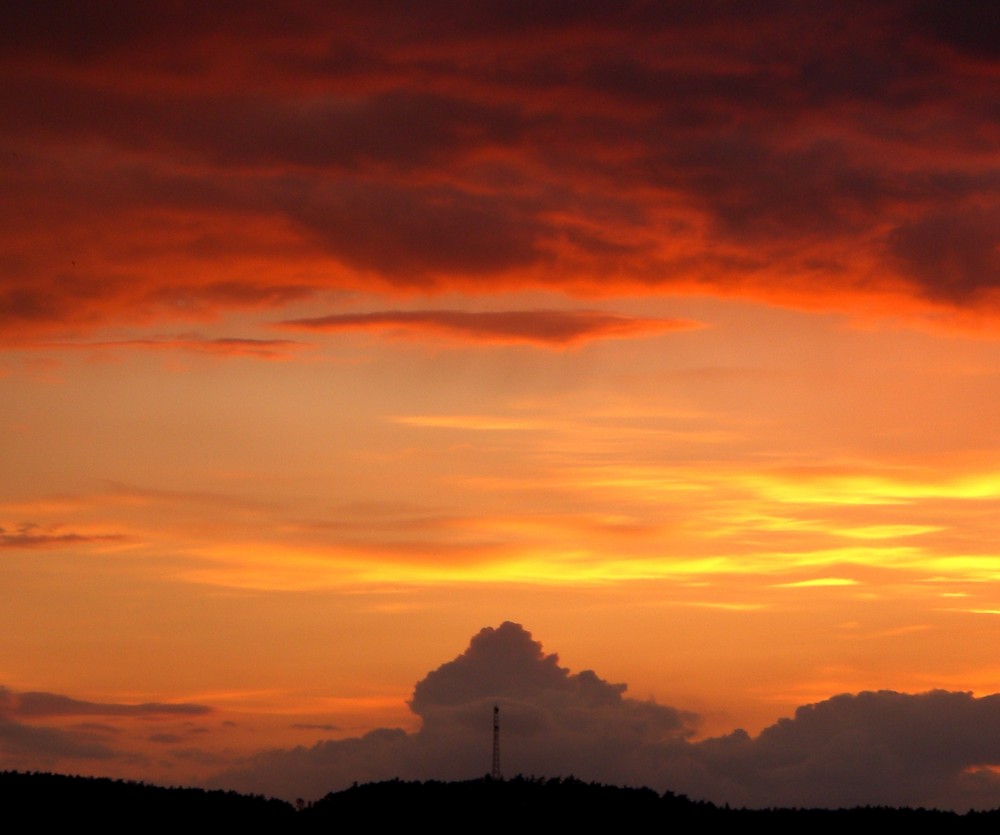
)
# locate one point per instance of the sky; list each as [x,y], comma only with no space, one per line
[632,366]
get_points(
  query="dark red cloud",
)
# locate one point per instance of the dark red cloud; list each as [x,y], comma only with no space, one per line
[418,234]
[254,156]
[165,739]
[972,33]
[952,255]
[548,328]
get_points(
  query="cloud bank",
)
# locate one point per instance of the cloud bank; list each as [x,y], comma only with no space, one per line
[840,157]
[27,742]
[926,749]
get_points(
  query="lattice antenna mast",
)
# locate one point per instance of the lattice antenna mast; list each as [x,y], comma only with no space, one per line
[495,773]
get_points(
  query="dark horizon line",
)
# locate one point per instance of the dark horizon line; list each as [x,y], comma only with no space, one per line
[566,794]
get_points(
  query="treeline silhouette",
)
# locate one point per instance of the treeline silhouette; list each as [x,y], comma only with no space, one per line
[42,800]
[516,805]
[527,803]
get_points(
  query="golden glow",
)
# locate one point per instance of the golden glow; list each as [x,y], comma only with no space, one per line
[887,531]
[329,338]
[875,490]
[819,581]
[647,502]
[475,423]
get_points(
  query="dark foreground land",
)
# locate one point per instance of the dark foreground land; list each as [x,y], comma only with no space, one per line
[517,806]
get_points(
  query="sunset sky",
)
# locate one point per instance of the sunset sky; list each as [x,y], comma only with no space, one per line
[334,333]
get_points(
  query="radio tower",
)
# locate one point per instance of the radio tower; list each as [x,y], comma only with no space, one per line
[495,773]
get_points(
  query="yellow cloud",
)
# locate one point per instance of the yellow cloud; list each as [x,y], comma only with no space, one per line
[886,531]
[819,581]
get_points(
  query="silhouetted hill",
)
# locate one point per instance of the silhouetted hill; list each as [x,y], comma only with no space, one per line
[524,804]
[485,803]
[53,799]
[516,806]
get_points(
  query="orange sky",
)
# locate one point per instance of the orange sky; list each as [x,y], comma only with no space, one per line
[332,335]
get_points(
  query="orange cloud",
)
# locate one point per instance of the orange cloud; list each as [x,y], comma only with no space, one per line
[220,347]
[545,328]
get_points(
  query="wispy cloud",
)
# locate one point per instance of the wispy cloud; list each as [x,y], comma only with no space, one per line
[38,704]
[35,536]
[218,346]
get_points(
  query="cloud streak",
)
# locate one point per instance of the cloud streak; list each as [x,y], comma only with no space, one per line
[226,347]
[34,536]
[541,328]
[40,704]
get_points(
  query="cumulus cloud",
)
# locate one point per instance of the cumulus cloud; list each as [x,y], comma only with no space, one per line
[930,749]
[877,748]
[545,328]
[554,722]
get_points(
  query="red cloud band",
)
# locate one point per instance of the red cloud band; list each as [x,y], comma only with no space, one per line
[546,328]
[828,157]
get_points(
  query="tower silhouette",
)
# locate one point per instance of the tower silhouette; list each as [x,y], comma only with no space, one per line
[495,773]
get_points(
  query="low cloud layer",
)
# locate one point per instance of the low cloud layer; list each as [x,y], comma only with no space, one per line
[933,749]
[26,741]
[929,749]
[899,749]
[22,743]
